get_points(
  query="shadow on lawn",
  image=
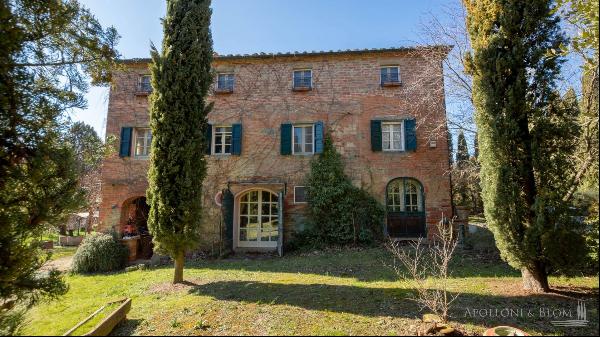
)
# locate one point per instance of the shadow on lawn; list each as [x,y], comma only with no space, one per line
[367,265]
[375,302]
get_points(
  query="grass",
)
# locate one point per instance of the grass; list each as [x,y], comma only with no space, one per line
[340,292]
[89,325]
[59,252]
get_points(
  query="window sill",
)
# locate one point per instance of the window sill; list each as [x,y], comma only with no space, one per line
[391,84]
[301,88]
[303,154]
[223,91]
[140,157]
[143,93]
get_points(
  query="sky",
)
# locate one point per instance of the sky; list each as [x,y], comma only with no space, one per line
[254,26]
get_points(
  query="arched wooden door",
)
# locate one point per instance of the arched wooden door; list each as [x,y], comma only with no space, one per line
[405,205]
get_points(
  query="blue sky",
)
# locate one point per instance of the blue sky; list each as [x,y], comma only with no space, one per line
[250,26]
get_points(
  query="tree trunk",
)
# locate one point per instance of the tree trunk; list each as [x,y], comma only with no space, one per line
[179,261]
[535,279]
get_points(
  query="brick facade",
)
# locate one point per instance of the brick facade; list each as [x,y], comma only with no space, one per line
[346,96]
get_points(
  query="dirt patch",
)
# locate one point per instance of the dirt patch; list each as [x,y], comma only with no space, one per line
[62,264]
[168,287]
[515,289]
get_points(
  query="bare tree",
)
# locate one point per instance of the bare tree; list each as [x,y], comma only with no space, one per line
[427,266]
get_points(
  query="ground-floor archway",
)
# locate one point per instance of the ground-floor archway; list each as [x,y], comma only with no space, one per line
[257,219]
[405,207]
[134,223]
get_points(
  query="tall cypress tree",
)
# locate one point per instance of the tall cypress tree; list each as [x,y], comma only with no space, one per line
[526,135]
[462,152]
[181,77]
[461,188]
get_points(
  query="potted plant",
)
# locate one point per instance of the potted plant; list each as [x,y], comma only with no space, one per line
[504,330]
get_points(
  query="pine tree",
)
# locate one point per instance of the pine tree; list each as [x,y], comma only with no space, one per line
[46,62]
[526,135]
[181,77]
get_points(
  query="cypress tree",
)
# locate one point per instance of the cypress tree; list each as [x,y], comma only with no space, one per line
[462,152]
[525,136]
[181,77]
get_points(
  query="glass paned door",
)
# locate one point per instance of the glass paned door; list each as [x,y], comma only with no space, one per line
[259,219]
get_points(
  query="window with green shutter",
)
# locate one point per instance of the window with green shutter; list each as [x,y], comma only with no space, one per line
[319,134]
[286,139]
[125,146]
[208,139]
[376,135]
[236,144]
[410,134]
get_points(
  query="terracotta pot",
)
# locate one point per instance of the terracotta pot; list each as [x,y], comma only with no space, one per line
[504,330]
[131,244]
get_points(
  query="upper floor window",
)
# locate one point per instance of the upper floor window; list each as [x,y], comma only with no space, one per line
[225,82]
[222,140]
[303,140]
[143,140]
[392,136]
[390,75]
[302,79]
[145,84]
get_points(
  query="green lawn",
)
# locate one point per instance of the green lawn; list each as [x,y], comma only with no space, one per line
[347,292]
[59,252]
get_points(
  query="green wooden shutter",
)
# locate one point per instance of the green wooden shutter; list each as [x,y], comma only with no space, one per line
[319,137]
[286,139]
[236,139]
[125,148]
[227,210]
[410,135]
[376,145]
[208,139]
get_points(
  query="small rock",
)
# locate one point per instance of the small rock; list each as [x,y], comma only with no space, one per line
[431,318]
[447,330]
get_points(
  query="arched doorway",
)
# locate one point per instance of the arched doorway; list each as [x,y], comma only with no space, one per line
[135,224]
[405,206]
[257,220]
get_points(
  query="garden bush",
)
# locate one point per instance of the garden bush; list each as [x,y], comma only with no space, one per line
[339,212]
[99,253]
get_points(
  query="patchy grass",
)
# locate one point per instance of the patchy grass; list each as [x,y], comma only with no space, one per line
[343,292]
[59,252]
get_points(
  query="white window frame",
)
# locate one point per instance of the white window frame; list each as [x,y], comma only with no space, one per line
[402,137]
[214,144]
[390,66]
[146,145]
[304,127]
[401,206]
[418,200]
[232,82]
[294,77]
[141,80]
[272,217]
[299,202]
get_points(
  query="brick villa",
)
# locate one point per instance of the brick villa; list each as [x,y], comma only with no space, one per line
[270,114]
